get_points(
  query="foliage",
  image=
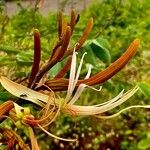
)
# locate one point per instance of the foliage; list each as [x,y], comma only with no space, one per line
[120,21]
[145,88]
[116,23]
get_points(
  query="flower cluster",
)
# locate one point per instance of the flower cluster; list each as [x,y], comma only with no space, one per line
[51,104]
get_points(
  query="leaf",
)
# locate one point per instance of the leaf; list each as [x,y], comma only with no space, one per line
[101,48]
[4,96]
[104,43]
[5,60]
[23,92]
[144,144]
[25,57]
[55,69]
[145,89]
[90,56]
[8,49]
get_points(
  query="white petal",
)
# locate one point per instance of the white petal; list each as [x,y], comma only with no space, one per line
[79,70]
[23,92]
[77,94]
[89,72]
[81,87]
[112,100]
[93,110]
[72,77]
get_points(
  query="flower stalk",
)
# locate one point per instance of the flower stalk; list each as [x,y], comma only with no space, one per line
[67,104]
[37,57]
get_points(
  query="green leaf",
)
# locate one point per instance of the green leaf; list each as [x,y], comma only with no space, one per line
[54,70]
[104,43]
[4,96]
[8,49]
[101,48]
[90,56]
[145,89]
[5,60]
[144,144]
[25,57]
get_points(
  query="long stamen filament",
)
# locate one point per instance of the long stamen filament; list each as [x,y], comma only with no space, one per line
[56,137]
[121,111]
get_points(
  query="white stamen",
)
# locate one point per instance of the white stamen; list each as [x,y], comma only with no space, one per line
[112,100]
[93,110]
[79,70]
[56,137]
[121,111]
[72,77]
[79,92]
[89,72]
[81,86]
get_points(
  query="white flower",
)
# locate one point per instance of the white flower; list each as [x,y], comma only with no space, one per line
[69,105]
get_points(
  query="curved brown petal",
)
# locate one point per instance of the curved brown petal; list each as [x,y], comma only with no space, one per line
[79,43]
[101,77]
[82,38]
[63,71]
[114,67]
[37,57]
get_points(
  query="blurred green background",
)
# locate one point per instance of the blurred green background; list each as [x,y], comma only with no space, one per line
[116,24]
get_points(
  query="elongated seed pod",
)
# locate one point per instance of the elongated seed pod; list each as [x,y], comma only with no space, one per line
[64,27]
[65,30]
[57,55]
[80,43]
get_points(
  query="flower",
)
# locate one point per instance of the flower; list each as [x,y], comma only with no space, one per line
[67,105]
[52,106]
[102,76]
